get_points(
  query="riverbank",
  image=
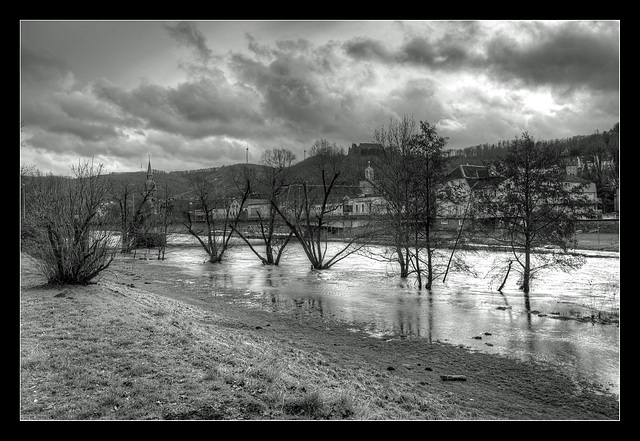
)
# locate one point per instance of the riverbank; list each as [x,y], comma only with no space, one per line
[128,348]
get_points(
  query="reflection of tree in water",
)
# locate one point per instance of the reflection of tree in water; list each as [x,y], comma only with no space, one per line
[299,306]
[430,315]
[309,305]
[408,319]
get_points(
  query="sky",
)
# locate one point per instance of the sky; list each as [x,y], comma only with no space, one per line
[198,94]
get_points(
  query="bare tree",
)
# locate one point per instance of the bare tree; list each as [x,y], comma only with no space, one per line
[394,184]
[123,196]
[308,213]
[429,172]
[411,174]
[73,239]
[274,180]
[135,214]
[536,210]
[164,222]
[219,221]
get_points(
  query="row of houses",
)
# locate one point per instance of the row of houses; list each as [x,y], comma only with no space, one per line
[364,200]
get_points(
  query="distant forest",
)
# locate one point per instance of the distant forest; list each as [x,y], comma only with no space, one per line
[574,146]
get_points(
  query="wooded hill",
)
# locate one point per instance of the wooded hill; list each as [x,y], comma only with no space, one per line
[574,146]
[179,184]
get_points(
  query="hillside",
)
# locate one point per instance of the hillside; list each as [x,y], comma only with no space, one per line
[179,184]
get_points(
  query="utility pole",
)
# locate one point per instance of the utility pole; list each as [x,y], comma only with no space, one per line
[247,154]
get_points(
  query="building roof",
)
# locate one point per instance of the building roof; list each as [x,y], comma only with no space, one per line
[469,172]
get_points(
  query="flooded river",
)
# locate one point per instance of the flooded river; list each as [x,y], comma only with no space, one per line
[466,310]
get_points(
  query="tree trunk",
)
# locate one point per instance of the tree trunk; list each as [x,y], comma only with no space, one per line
[403,260]
[429,268]
[281,250]
[526,278]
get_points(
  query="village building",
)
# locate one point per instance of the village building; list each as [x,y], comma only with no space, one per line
[468,185]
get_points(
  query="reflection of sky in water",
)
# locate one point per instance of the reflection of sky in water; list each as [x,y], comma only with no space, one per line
[360,290]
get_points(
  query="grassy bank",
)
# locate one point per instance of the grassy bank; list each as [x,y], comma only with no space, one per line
[129,348]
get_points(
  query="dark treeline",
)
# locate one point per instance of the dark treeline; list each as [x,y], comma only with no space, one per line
[578,145]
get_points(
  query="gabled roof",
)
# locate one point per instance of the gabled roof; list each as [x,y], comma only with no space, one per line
[473,175]
[469,172]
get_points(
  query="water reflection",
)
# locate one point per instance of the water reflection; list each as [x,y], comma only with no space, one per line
[465,310]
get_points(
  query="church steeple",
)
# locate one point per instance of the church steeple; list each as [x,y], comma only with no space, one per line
[149,171]
[150,186]
[367,186]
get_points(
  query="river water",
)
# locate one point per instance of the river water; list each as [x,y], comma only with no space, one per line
[466,310]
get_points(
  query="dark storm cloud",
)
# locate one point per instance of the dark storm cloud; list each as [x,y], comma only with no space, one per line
[87,132]
[443,53]
[367,49]
[63,111]
[301,90]
[418,97]
[196,109]
[257,48]
[187,34]
[570,55]
[38,71]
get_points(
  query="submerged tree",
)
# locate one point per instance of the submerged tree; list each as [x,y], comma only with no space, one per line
[273,181]
[393,182]
[411,172]
[164,222]
[535,207]
[430,167]
[220,213]
[310,210]
[135,211]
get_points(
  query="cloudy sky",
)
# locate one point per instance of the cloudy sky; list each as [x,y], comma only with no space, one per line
[198,94]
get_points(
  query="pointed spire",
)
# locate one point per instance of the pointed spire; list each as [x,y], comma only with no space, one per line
[149,172]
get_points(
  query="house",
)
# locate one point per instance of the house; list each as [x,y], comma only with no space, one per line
[466,183]
[573,165]
[586,189]
[256,208]
[462,183]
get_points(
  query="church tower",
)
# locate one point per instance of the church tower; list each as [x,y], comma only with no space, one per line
[150,187]
[367,186]
[368,173]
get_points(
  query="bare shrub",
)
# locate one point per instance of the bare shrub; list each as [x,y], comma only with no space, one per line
[66,225]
